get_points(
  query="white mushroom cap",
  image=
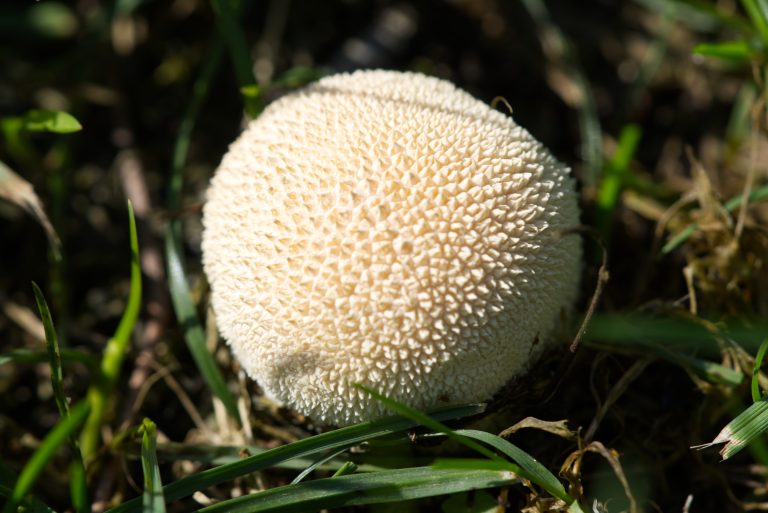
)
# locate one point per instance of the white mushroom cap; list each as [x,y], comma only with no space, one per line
[388,229]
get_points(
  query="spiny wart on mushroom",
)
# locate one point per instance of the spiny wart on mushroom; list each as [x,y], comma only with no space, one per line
[387,229]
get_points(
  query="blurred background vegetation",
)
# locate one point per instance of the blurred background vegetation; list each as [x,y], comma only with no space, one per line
[659,107]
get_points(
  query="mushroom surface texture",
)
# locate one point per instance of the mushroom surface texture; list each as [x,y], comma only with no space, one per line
[388,229]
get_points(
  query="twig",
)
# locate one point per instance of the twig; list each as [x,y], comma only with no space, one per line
[616,392]
[602,279]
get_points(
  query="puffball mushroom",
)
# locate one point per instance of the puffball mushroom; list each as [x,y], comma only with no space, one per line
[387,229]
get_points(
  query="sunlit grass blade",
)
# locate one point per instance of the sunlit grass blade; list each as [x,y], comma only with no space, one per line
[50,121]
[737,51]
[59,435]
[731,205]
[739,432]
[360,489]
[101,389]
[153,500]
[757,395]
[614,177]
[318,444]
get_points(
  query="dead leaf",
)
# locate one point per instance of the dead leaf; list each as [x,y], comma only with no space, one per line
[555,427]
[15,189]
[571,470]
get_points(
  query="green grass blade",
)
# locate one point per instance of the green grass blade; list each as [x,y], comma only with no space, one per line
[153,500]
[239,53]
[676,333]
[297,77]
[739,432]
[193,331]
[757,446]
[669,340]
[474,464]
[652,60]
[756,394]
[711,371]
[427,421]
[52,348]
[740,119]
[24,355]
[346,469]
[757,14]
[317,464]
[333,440]
[756,195]
[614,178]
[100,391]
[731,205]
[59,435]
[535,471]
[131,313]
[589,121]
[223,454]
[181,299]
[735,51]
[50,121]
[700,15]
[528,466]
[678,239]
[32,505]
[360,489]
[78,484]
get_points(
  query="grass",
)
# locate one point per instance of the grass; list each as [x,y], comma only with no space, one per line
[122,335]
[102,389]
